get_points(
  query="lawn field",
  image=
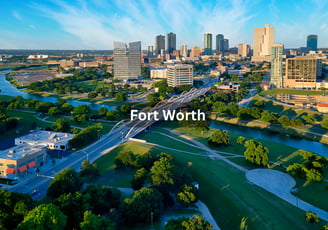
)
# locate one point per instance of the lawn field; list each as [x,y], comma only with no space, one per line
[291,91]
[223,188]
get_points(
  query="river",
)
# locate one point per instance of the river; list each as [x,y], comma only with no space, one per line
[8,89]
[299,143]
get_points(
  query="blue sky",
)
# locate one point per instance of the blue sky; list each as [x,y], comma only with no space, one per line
[95,24]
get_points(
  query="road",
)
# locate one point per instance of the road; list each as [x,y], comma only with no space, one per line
[245,102]
[107,142]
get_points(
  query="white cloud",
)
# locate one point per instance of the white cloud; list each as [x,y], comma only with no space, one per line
[144,19]
[17,15]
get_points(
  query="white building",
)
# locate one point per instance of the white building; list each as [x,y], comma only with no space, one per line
[158,73]
[53,140]
[180,74]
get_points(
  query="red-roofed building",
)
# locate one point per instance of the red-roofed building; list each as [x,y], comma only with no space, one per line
[323,107]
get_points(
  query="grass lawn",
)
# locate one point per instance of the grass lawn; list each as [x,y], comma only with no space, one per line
[225,191]
[291,91]
[26,122]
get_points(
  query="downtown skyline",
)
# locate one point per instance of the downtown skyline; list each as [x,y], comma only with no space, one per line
[96,24]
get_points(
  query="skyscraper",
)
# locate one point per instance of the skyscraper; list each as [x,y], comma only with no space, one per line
[243,50]
[276,78]
[159,44]
[207,44]
[225,45]
[263,40]
[127,60]
[312,42]
[218,39]
[184,51]
[171,43]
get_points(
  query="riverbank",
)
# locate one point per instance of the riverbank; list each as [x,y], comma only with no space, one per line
[257,124]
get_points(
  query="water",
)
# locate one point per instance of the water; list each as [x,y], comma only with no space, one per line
[312,146]
[8,89]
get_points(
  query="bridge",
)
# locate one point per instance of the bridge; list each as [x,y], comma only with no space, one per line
[119,133]
[131,128]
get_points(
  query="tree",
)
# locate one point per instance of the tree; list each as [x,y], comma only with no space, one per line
[125,109]
[62,125]
[89,171]
[102,111]
[14,206]
[256,153]
[163,172]
[125,159]
[324,124]
[241,140]
[66,181]
[153,99]
[120,97]
[284,121]
[143,205]
[219,137]
[312,217]
[66,108]
[196,223]
[44,216]
[81,109]
[187,195]
[54,111]
[92,95]
[94,222]
[139,178]
[258,88]
[112,115]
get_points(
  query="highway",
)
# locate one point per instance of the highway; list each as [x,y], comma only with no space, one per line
[118,135]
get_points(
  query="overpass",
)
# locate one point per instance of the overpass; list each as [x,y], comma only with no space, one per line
[120,133]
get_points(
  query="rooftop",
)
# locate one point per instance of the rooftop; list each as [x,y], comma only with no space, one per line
[41,136]
[20,151]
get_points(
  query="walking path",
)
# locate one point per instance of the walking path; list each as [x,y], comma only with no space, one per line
[280,184]
[273,181]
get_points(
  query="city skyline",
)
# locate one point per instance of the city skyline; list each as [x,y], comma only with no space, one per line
[95,24]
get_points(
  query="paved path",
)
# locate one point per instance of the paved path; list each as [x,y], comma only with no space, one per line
[207,214]
[280,184]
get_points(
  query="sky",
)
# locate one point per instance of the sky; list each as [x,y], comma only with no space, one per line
[96,24]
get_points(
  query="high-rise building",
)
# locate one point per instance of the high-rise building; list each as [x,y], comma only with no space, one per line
[225,45]
[180,74]
[150,51]
[171,43]
[219,39]
[195,51]
[184,51]
[159,44]
[127,60]
[312,42]
[263,40]
[243,50]
[276,78]
[302,72]
[207,44]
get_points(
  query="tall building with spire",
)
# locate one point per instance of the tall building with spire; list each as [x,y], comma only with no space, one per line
[276,77]
[171,42]
[263,40]
[208,44]
[159,44]
[127,60]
